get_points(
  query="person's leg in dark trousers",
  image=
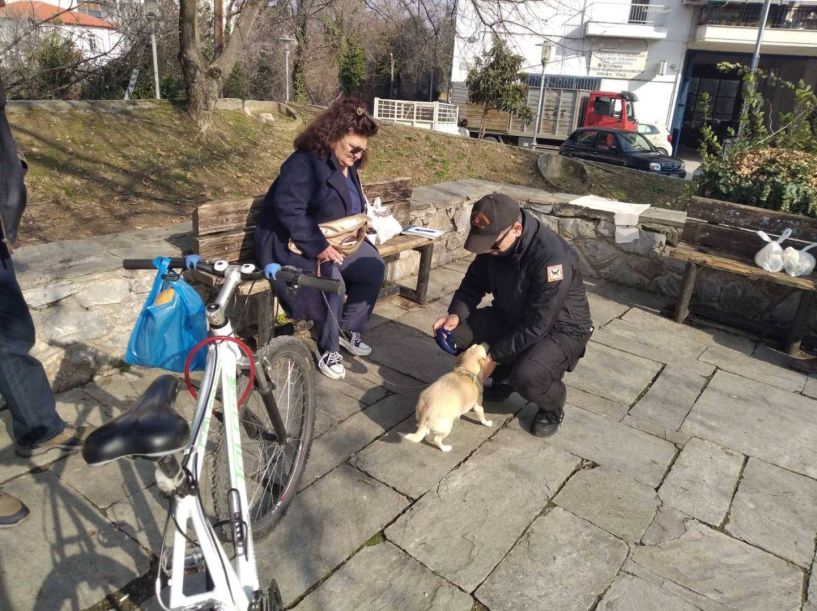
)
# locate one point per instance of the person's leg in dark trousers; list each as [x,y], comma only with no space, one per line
[538,376]
[362,275]
[23,382]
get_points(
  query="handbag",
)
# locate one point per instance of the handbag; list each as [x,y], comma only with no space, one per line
[383,221]
[171,323]
[345,234]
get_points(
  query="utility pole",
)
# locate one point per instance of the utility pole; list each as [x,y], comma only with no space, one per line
[218,15]
[764,14]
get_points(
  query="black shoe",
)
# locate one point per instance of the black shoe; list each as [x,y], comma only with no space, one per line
[497,392]
[545,424]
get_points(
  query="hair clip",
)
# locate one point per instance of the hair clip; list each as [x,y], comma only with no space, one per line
[360,110]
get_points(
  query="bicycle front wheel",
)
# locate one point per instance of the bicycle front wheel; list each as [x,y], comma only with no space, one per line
[273,467]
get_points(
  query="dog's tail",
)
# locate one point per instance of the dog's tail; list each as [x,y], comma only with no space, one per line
[419,434]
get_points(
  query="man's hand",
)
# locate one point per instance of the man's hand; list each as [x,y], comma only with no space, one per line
[449,323]
[488,370]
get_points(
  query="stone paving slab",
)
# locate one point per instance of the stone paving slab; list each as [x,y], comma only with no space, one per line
[811,387]
[454,530]
[422,318]
[635,329]
[670,398]
[353,435]
[597,405]
[610,444]
[603,310]
[367,375]
[561,562]
[758,420]
[325,524]
[702,481]
[12,465]
[412,353]
[728,571]
[753,368]
[106,484]
[776,510]
[383,577]
[612,374]
[65,555]
[142,516]
[629,592]
[335,401]
[440,283]
[698,601]
[619,505]
[667,524]
[415,468]
[627,342]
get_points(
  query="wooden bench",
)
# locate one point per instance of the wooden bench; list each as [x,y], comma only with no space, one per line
[721,235]
[224,229]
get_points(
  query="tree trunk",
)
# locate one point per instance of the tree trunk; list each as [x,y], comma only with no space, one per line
[302,42]
[482,122]
[203,81]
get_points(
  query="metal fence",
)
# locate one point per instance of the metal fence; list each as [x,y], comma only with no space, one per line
[432,115]
[748,15]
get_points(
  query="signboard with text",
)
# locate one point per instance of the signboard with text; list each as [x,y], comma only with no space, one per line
[614,63]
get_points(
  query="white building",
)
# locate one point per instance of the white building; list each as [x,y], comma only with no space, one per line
[82,23]
[663,52]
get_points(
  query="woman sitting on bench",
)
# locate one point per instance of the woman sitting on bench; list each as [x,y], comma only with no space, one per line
[319,183]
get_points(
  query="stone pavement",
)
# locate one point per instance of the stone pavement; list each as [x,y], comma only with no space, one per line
[684,477]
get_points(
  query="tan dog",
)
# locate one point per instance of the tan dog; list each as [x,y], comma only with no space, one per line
[450,397]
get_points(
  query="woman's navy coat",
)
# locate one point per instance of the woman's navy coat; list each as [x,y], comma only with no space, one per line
[309,190]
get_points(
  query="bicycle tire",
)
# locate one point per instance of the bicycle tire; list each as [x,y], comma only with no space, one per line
[288,366]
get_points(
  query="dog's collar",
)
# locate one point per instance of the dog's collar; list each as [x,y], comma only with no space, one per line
[469,374]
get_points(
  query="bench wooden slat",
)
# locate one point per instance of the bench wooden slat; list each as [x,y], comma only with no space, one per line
[719,239]
[389,191]
[748,217]
[400,243]
[688,252]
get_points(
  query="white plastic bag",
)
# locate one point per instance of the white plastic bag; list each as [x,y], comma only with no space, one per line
[382,221]
[798,262]
[770,257]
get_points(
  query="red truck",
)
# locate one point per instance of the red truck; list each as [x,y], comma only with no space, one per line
[564,109]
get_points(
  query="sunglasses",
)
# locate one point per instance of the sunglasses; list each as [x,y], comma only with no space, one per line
[357,150]
[496,247]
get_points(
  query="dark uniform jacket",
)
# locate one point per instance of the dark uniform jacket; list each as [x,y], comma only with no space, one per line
[538,285]
[12,186]
[309,190]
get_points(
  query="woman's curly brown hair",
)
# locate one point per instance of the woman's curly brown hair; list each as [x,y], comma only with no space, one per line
[343,116]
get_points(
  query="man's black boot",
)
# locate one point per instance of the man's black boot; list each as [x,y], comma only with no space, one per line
[545,424]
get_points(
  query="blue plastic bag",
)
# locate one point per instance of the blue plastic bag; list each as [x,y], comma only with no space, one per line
[171,323]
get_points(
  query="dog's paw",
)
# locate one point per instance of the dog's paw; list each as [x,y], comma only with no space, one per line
[446,448]
[488,422]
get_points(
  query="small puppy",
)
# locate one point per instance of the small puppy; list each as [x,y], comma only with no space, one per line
[450,397]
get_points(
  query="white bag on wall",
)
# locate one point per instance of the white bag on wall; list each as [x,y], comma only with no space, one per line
[770,257]
[382,221]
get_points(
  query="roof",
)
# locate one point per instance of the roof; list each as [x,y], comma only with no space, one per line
[42,11]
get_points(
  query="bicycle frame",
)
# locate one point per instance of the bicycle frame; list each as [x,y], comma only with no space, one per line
[234,584]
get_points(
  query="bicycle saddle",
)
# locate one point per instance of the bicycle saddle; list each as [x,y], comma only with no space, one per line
[151,428]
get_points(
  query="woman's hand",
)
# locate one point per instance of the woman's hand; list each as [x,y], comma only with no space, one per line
[330,254]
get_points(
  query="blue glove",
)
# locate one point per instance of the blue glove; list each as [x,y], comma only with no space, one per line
[271,270]
[191,261]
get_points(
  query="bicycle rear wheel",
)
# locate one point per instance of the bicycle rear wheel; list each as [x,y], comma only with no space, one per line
[272,467]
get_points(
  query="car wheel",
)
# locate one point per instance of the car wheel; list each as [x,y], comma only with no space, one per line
[663,151]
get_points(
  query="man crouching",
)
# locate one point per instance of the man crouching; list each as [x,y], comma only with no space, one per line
[539,322]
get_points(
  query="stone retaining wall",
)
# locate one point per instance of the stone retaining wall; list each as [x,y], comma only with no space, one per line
[84,304]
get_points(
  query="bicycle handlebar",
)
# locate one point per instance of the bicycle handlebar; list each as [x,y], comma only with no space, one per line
[292,276]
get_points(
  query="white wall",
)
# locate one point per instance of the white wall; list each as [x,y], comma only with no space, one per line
[561,24]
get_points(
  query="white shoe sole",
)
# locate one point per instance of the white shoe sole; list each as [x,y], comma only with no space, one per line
[324,369]
[352,349]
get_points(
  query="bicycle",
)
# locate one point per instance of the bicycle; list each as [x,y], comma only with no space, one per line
[277,422]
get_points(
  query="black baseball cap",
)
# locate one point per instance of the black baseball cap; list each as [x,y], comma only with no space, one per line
[490,216]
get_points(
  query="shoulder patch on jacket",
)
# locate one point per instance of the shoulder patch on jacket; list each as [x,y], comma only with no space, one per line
[555,273]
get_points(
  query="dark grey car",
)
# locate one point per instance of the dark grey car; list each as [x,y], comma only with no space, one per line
[620,147]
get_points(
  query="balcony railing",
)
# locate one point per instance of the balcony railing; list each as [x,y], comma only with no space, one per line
[748,15]
[628,12]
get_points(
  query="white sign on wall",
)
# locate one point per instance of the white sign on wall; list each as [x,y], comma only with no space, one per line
[615,63]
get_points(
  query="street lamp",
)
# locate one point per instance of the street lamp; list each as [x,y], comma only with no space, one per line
[152,14]
[287,40]
[546,51]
